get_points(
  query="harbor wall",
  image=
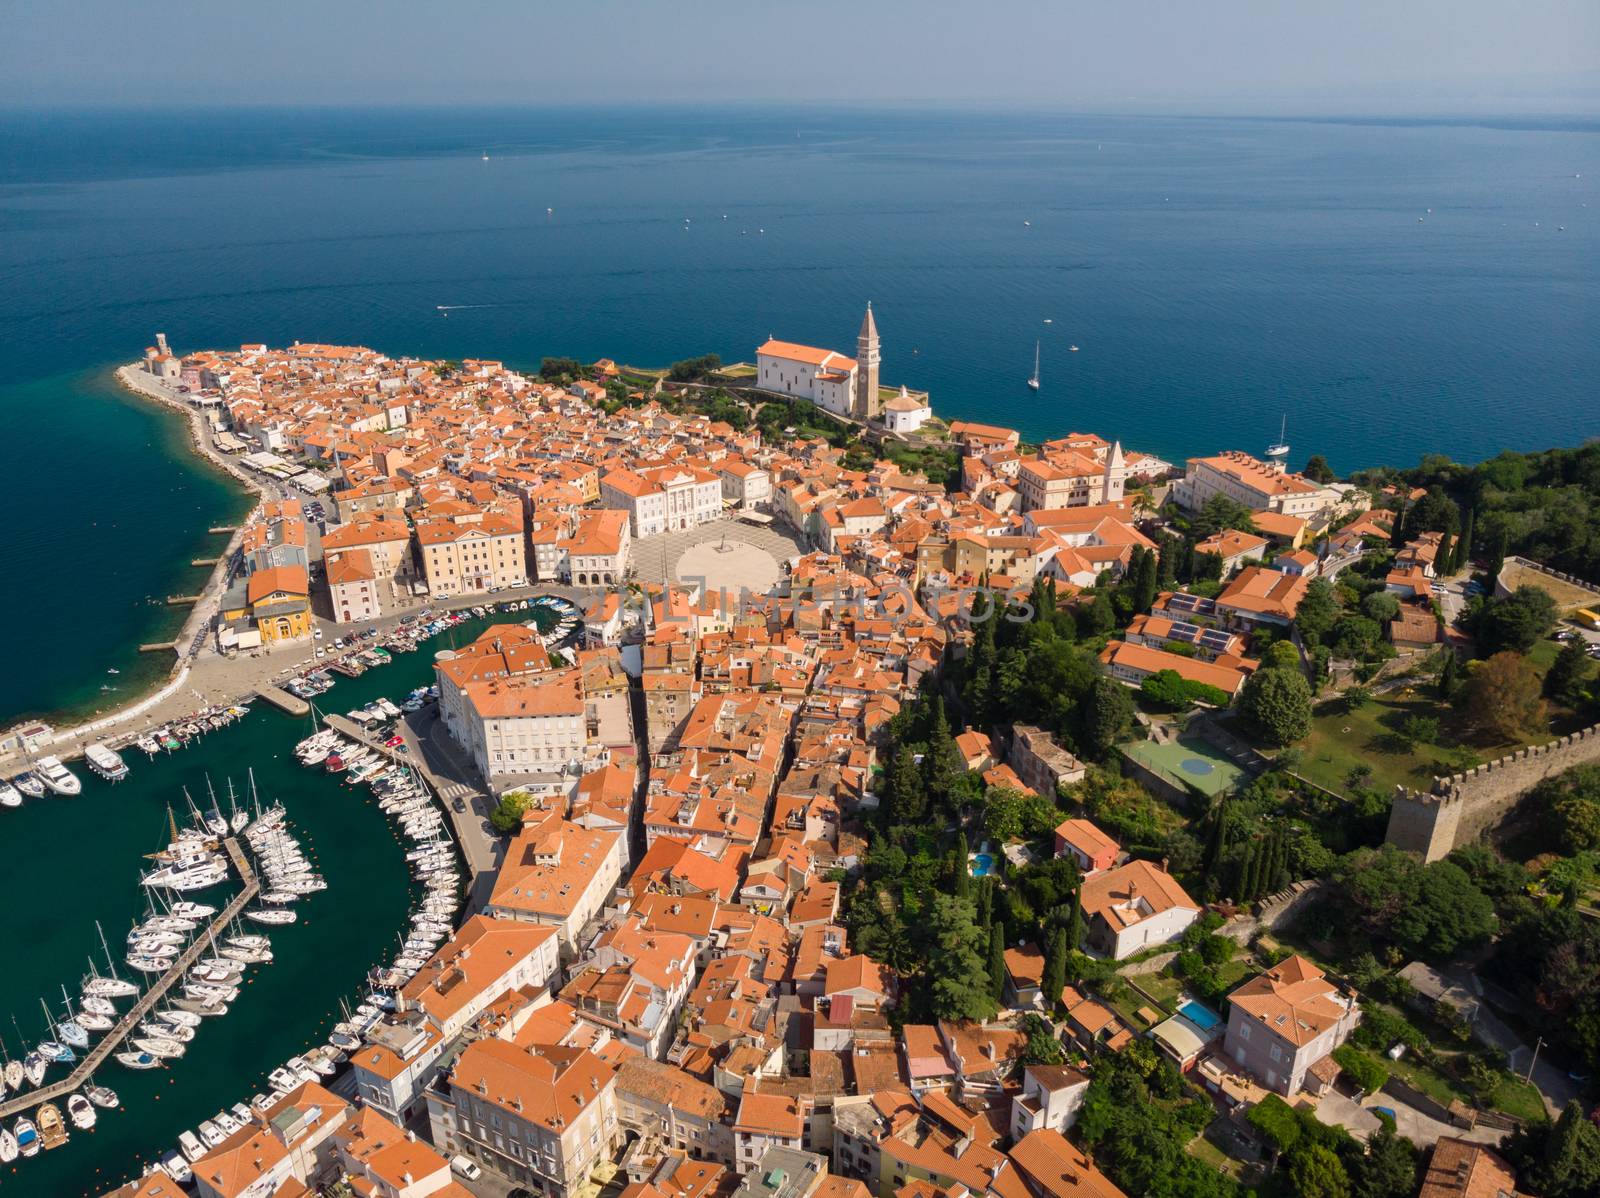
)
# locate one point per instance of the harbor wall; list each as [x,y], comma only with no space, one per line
[1462,807]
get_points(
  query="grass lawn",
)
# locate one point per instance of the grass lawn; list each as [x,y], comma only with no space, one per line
[1203,1149]
[1518,1099]
[1340,741]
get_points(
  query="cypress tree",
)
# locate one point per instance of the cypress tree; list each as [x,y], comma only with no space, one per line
[1145,581]
[997,959]
[1444,562]
[1447,676]
[1075,925]
[1463,554]
[1497,557]
[1250,871]
[1218,843]
[985,899]
[1055,968]
[963,886]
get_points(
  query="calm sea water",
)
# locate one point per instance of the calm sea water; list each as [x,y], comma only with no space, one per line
[1216,275]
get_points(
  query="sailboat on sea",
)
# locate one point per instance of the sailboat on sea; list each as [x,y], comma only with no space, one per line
[1280,449]
[1033,381]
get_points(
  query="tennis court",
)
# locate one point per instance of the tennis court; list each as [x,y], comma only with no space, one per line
[1189,762]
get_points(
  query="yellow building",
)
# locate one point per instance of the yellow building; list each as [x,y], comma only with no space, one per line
[280,603]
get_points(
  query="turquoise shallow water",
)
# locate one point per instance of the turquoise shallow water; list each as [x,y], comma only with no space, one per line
[1216,274]
[69,862]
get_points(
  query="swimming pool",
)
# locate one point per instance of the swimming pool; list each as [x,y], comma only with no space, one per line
[1202,1016]
[982,864]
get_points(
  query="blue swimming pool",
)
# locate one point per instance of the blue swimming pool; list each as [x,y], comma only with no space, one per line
[1202,1016]
[982,865]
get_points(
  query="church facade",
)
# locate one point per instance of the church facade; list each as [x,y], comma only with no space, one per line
[836,383]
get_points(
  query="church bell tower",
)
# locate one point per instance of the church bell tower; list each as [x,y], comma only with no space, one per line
[867,406]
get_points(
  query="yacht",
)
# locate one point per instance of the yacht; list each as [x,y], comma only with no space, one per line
[97,986]
[195,911]
[1280,448]
[139,1060]
[192,1148]
[102,1096]
[194,873]
[145,963]
[106,762]
[211,1134]
[27,1136]
[8,1147]
[10,796]
[58,777]
[1033,379]
[15,1075]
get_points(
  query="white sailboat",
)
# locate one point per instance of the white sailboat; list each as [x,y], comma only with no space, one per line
[1280,449]
[1033,381]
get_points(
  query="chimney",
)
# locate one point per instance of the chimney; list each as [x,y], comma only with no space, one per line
[1163,865]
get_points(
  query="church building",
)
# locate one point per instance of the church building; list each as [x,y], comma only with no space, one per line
[835,383]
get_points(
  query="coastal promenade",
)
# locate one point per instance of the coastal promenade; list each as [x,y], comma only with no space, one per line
[140,1010]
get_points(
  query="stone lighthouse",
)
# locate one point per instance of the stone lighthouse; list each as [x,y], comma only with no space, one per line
[867,406]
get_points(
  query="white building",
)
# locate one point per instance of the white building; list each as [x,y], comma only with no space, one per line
[1260,486]
[905,413]
[1052,1096]
[747,487]
[663,499]
[528,725]
[1134,906]
[841,385]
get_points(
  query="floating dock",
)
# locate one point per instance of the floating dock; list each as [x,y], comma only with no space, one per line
[112,1040]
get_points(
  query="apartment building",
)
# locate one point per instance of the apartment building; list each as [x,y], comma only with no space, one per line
[544,1117]
[471,552]
[664,498]
[597,553]
[1283,1023]
[531,725]
[1260,486]
[560,874]
[352,586]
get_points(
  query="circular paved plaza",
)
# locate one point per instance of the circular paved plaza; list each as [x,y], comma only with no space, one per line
[726,555]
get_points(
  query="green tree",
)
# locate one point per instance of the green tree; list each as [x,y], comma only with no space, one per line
[1449,676]
[1042,1047]
[1276,1121]
[1055,967]
[1315,1172]
[1108,715]
[1145,580]
[1360,1068]
[963,874]
[1281,655]
[1381,606]
[1318,470]
[961,988]
[1567,672]
[908,793]
[1517,622]
[1501,699]
[1560,1159]
[1463,552]
[507,815]
[1319,608]
[1075,924]
[1387,1169]
[1276,706]
[942,763]
[1498,549]
[997,959]
[1220,513]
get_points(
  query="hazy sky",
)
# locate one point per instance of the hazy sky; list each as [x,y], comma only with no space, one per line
[1341,55]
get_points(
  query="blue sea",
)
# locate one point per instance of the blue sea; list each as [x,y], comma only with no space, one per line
[1393,288]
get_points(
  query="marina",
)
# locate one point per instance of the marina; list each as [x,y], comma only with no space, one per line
[319,963]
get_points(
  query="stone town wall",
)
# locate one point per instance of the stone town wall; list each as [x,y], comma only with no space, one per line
[1461,808]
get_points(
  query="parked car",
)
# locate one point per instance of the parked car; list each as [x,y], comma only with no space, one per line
[463,1167]
[394,741]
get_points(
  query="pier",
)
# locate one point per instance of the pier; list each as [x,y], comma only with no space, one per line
[159,647]
[283,700]
[348,728]
[183,600]
[112,1040]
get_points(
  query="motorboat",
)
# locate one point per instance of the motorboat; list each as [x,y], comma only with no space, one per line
[139,1060]
[227,1122]
[106,762]
[211,1134]
[283,1079]
[176,1167]
[81,1111]
[190,1145]
[10,796]
[52,1127]
[102,1096]
[31,786]
[58,777]
[194,911]
[27,1136]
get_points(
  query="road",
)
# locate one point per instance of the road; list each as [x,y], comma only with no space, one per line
[453,778]
[1337,1110]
